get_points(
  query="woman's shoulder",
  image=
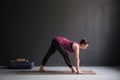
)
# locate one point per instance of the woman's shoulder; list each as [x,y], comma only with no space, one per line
[75,45]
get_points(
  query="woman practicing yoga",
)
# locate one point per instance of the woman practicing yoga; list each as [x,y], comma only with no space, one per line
[64,46]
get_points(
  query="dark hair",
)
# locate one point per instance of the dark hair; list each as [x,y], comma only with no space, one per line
[84,41]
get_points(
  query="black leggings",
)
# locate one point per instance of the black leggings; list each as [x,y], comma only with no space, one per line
[54,47]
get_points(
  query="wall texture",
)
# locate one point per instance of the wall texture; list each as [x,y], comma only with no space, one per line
[28,26]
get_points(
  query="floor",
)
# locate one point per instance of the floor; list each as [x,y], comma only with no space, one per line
[103,73]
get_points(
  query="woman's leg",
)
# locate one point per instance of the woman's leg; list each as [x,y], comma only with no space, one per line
[56,46]
[64,53]
[50,51]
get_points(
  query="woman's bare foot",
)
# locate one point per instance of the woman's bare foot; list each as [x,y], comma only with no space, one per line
[79,72]
[73,69]
[41,68]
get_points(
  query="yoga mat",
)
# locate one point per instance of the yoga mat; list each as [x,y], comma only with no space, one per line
[85,72]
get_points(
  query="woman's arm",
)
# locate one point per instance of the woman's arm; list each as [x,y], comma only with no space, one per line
[77,58]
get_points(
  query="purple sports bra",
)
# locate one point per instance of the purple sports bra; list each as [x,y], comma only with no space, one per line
[67,44]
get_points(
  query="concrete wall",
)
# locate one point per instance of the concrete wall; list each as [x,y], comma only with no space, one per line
[28,26]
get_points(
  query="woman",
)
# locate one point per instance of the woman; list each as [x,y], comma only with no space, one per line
[64,46]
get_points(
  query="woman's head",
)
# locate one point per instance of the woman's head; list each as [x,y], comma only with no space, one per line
[84,43]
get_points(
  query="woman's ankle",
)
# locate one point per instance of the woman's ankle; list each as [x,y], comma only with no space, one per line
[41,66]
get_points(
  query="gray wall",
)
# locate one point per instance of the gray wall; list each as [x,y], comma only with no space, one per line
[28,26]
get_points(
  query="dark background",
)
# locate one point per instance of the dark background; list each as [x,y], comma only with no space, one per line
[27,27]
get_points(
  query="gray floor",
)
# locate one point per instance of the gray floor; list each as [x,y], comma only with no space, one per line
[103,73]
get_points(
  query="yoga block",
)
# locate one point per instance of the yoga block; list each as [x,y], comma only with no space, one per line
[20,65]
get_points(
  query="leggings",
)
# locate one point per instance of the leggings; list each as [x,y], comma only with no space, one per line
[55,46]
